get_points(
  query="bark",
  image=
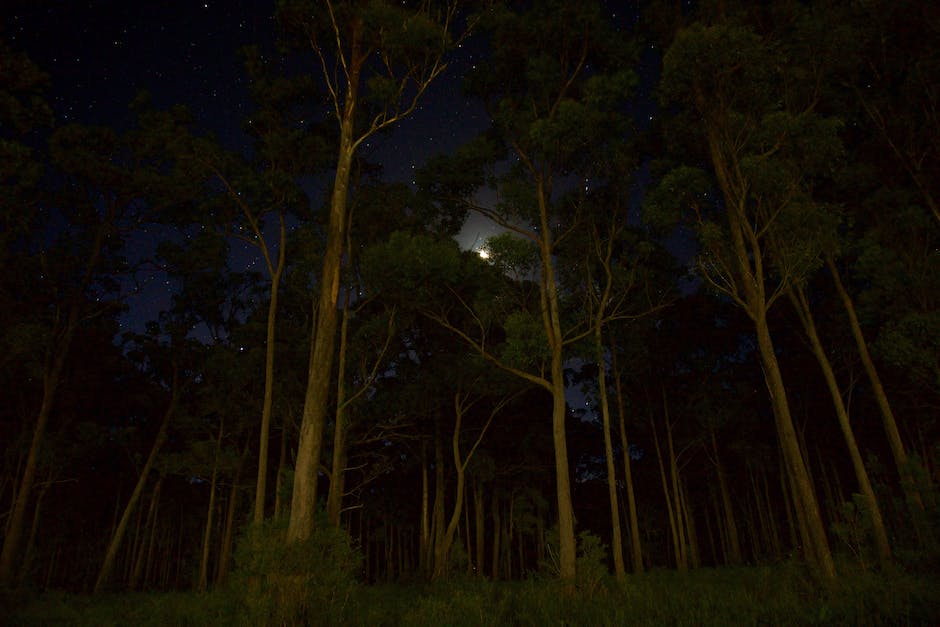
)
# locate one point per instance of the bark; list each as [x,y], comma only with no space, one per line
[316,399]
[800,482]
[497,526]
[551,318]
[117,538]
[334,498]
[670,510]
[281,471]
[675,482]
[731,527]
[898,451]
[228,532]
[444,541]
[617,534]
[146,543]
[479,524]
[203,582]
[269,348]
[637,548]
[801,304]
[425,543]
[53,366]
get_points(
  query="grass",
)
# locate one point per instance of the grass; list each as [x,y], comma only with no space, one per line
[778,595]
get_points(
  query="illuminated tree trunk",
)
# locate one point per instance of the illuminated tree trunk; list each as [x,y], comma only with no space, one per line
[146,544]
[118,536]
[731,527]
[901,460]
[801,304]
[637,549]
[617,534]
[269,347]
[479,525]
[203,582]
[334,498]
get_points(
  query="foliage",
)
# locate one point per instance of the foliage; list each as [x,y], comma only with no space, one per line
[776,595]
[307,582]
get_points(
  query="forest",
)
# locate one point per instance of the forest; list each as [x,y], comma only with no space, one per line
[694,378]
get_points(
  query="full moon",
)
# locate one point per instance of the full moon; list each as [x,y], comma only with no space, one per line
[483,254]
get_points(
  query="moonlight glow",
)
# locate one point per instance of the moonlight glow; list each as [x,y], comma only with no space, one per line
[484,254]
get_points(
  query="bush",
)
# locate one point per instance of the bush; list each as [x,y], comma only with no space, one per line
[307,582]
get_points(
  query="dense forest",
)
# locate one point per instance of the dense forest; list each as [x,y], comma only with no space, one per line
[707,335]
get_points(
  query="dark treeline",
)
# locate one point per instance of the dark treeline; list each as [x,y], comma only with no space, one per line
[741,368]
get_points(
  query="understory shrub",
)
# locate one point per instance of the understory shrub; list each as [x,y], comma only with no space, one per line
[297,583]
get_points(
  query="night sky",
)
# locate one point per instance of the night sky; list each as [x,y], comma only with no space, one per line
[100,54]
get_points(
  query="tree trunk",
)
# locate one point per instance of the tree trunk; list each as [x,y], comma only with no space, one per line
[51,378]
[670,509]
[731,527]
[425,541]
[281,471]
[118,537]
[497,526]
[616,533]
[801,304]
[203,582]
[803,492]
[316,400]
[146,543]
[269,348]
[479,524]
[637,549]
[551,319]
[903,464]
[334,497]
[679,507]
[14,534]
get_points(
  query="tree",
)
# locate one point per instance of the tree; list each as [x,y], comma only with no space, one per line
[170,378]
[552,90]
[379,54]
[74,274]
[764,145]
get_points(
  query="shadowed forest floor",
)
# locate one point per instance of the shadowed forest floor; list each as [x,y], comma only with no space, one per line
[778,595]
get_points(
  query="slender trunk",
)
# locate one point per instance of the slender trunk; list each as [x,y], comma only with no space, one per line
[673,526]
[316,400]
[637,549]
[801,304]
[28,553]
[11,541]
[203,581]
[334,497]
[146,543]
[479,522]
[437,512]
[802,487]
[898,451]
[496,531]
[281,472]
[617,534]
[269,348]
[228,532]
[52,375]
[679,507]
[551,319]
[692,550]
[118,536]
[734,543]
[425,541]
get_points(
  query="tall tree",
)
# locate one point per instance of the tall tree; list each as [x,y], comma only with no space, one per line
[764,143]
[73,272]
[558,74]
[377,60]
